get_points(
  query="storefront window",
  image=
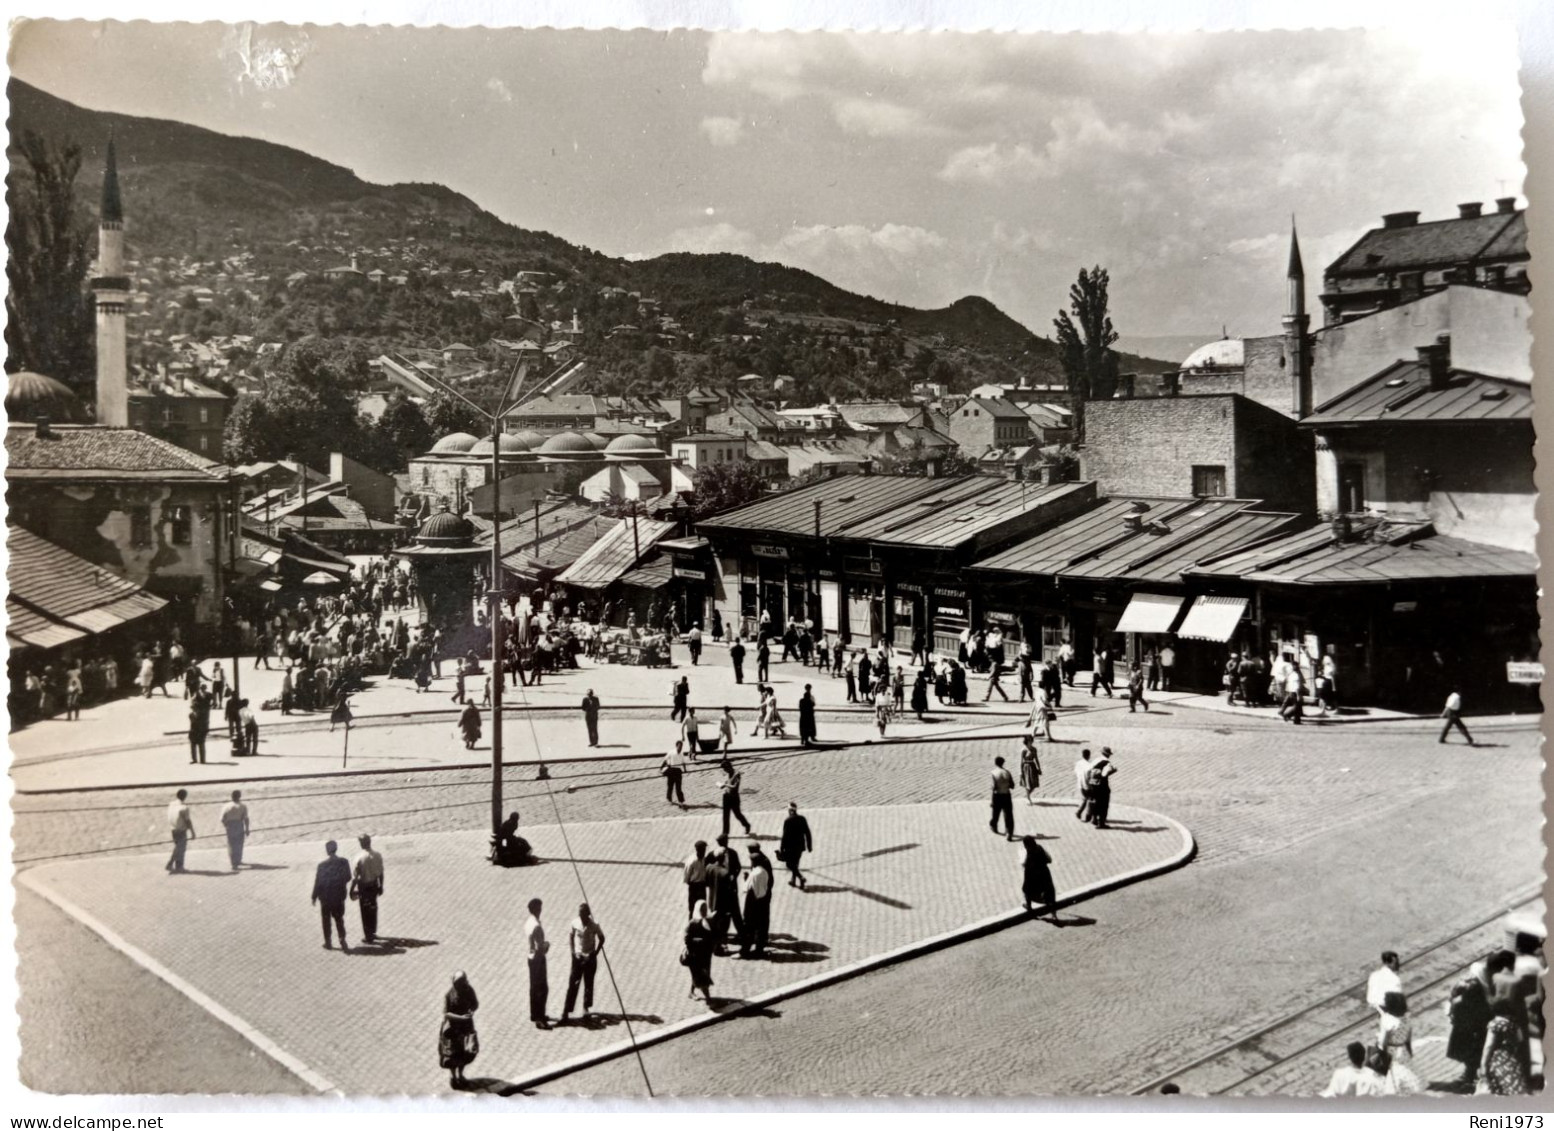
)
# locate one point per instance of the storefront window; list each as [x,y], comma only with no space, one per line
[951,617]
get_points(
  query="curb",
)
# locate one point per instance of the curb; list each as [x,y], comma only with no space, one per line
[982,927]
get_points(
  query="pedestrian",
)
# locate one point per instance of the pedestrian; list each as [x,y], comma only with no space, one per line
[680,691]
[1104,673]
[250,727]
[1330,674]
[1067,662]
[340,713]
[920,695]
[673,769]
[882,705]
[1027,677]
[262,647]
[457,1042]
[1003,798]
[1397,1041]
[796,840]
[199,726]
[1383,980]
[1452,713]
[726,728]
[696,956]
[330,882]
[736,655]
[763,660]
[1293,685]
[587,940]
[1030,767]
[1470,1008]
[73,692]
[994,682]
[1152,669]
[898,689]
[695,875]
[1036,877]
[537,948]
[693,643]
[367,885]
[755,889]
[1505,1056]
[1100,780]
[182,826]
[807,717]
[1136,689]
[1355,1078]
[459,677]
[723,894]
[231,712]
[1167,663]
[1082,779]
[717,627]
[469,725]
[218,684]
[591,716]
[234,818]
[732,779]
[852,679]
[288,693]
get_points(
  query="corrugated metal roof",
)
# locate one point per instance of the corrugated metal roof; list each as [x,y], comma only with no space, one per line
[961,510]
[1454,240]
[1079,539]
[615,554]
[566,531]
[1380,552]
[1402,392]
[844,502]
[654,575]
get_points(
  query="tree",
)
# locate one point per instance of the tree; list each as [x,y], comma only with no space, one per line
[50,322]
[404,429]
[1086,339]
[917,461]
[307,408]
[723,486]
[447,414]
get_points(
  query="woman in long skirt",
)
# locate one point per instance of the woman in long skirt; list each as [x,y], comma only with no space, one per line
[469,724]
[920,696]
[1030,768]
[457,1043]
[1036,877]
[699,943]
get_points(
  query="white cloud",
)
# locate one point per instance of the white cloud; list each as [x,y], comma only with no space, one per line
[498,88]
[994,164]
[879,118]
[723,131]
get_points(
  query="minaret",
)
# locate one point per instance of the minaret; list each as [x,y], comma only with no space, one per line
[1297,326]
[111,291]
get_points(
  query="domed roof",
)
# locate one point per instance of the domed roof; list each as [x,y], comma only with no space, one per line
[1227,353]
[566,443]
[531,437]
[510,444]
[29,394]
[634,443]
[596,440]
[454,443]
[445,529]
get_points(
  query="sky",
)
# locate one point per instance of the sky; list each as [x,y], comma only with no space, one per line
[917,167]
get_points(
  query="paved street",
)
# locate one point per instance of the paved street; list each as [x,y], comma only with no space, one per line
[1301,834]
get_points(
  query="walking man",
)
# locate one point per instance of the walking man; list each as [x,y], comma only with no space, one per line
[673,769]
[696,877]
[732,779]
[682,697]
[1167,662]
[234,818]
[539,979]
[1003,798]
[330,883]
[182,826]
[587,941]
[1136,689]
[1452,713]
[726,729]
[993,683]
[199,726]
[807,717]
[591,716]
[693,642]
[367,885]
[736,654]
[763,661]
[1082,779]
[796,841]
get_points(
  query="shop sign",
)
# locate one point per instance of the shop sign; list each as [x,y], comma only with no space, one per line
[953,594]
[908,587]
[1002,618]
[693,574]
[950,610]
[765,550]
[1523,672]
[871,567]
[829,573]
[1404,606]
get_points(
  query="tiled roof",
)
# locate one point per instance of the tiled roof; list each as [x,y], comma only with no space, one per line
[878,413]
[1402,392]
[87,451]
[616,553]
[708,438]
[1380,551]
[55,597]
[996,407]
[1435,243]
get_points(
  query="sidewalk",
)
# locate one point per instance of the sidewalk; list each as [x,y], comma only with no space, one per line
[367,1021]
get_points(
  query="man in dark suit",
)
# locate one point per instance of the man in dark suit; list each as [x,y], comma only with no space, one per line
[795,842]
[591,716]
[807,717]
[736,653]
[723,894]
[330,883]
[763,661]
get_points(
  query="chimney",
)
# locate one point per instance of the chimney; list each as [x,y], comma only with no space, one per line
[41,428]
[1506,204]
[1170,384]
[1343,531]
[1470,211]
[1437,357]
[1399,219]
[1126,386]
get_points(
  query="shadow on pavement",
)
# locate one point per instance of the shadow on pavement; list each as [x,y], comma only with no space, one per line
[1135,827]
[491,1086]
[247,867]
[598,1021]
[385,945]
[740,1006]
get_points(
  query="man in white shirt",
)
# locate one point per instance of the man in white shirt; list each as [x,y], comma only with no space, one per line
[539,979]
[673,769]
[234,818]
[367,878]
[1383,980]
[587,940]
[755,891]
[1081,772]
[1355,1078]
[1453,716]
[1167,662]
[696,877]
[182,826]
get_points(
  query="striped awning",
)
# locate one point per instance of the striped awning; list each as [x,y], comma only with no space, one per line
[1150,612]
[1213,618]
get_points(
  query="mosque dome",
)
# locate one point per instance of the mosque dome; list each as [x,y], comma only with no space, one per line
[510,445]
[1227,353]
[455,443]
[29,395]
[566,444]
[633,445]
[596,440]
[530,437]
[446,529]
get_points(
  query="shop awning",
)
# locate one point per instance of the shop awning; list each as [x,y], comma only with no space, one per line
[1213,618]
[1150,612]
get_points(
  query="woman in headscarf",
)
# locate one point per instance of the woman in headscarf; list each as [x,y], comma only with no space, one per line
[1036,876]
[457,1044]
[920,695]
[699,943]
[469,723]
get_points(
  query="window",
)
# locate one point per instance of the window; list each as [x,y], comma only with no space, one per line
[1208,479]
[167,415]
[204,415]
[180,521]
[1351,486]
[204,443]
[140,527]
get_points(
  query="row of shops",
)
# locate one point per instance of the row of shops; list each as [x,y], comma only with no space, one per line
[1403,612]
